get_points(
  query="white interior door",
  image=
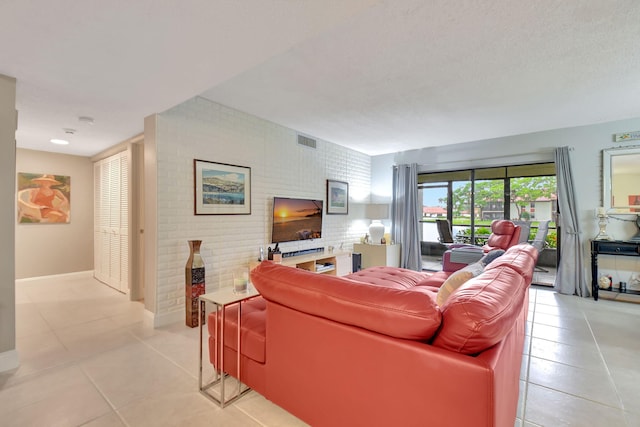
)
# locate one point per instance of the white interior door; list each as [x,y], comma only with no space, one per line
[111,219]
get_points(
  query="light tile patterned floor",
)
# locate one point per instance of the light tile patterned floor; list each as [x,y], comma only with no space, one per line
[87,358]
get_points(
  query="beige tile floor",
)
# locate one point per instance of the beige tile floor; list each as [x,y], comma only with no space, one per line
[88,359]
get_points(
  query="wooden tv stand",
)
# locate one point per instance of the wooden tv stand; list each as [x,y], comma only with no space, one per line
[336,263]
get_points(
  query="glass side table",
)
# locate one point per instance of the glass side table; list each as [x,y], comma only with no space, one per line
[221,299]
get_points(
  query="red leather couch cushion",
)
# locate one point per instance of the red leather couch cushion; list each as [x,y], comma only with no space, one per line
[436,279]
[521,258]
[482,311]
[409,313]
[391,277]
[253,328]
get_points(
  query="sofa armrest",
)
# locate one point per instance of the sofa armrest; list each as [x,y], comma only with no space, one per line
[458,258]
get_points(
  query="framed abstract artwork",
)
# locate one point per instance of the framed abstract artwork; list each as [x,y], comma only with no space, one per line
[221,189]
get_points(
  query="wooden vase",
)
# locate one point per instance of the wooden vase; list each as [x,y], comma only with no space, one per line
[194,283]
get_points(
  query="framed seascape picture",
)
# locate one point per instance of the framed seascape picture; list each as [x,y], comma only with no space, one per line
[44,199]
[221,189]
[337,197]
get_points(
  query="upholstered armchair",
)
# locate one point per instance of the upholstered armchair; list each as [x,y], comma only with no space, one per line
[504,234]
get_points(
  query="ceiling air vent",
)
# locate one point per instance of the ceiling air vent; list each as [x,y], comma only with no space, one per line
[306,141]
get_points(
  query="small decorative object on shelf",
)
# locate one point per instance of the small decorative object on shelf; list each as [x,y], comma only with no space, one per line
[277,255]
[604,282]
[601,213]
[194,283]
[240,280]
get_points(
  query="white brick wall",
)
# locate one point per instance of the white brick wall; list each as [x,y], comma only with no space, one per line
[201,129]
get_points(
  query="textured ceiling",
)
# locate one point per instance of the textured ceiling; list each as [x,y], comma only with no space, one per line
[376,76]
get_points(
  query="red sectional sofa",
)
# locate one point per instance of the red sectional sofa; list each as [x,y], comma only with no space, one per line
[374,349]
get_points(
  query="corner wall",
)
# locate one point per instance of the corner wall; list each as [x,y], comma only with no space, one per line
[48,249]
[8,124]
[201,129]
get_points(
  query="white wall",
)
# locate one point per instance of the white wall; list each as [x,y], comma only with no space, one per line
[201,129]
[587,143]
[47,249]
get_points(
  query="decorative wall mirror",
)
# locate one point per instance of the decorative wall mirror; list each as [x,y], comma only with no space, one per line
[621,180]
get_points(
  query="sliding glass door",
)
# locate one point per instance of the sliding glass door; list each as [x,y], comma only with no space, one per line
[471,199]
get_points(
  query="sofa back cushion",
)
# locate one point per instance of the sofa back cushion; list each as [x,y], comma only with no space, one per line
[521,258]
[403,313]
[481,312]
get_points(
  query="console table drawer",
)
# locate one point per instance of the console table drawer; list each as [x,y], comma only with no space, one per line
[617,248]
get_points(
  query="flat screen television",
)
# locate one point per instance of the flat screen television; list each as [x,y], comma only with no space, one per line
[296,219]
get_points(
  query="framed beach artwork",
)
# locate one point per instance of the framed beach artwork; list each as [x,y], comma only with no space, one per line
[221,189]
[44,199]
[337,197]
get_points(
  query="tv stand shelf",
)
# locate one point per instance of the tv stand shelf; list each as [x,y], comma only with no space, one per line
[321,263]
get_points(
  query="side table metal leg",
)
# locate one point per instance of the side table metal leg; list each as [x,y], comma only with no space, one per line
[202,310]
[221,352]
[238,348]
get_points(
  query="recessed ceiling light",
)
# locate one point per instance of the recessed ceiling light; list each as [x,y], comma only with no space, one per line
[60,141]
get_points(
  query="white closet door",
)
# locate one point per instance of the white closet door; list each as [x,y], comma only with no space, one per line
[111,218]
[123,231]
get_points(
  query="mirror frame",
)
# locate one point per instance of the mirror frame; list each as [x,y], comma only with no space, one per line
[607,178]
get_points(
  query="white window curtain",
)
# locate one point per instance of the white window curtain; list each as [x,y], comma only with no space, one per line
[570,278]
[404,215]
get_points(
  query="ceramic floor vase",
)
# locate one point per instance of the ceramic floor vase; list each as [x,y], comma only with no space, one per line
[194,282]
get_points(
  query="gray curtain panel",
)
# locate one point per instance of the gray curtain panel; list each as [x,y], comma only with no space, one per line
[405,215]
[570,278]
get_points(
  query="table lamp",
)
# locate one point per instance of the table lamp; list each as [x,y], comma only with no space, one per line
[601,213]
[376,212]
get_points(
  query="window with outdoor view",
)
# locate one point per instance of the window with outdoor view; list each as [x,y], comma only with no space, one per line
[471,199]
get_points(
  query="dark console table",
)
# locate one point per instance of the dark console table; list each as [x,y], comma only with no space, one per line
[609,247]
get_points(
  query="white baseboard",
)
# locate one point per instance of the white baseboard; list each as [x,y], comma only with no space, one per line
[160,320]
[88,274]
[9,360]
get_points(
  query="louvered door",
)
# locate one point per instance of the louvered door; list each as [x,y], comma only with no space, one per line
[111,219]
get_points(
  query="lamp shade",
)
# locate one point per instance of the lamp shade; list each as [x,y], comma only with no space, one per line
[376,211]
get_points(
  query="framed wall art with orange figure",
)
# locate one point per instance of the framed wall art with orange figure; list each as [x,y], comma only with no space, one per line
[634,202]
[44,199]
